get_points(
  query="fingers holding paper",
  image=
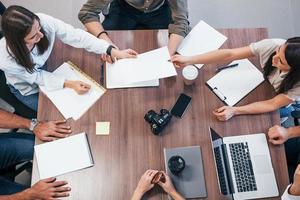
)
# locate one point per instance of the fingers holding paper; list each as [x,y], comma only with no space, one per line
[52,130]
[120,54]
[224,113]
[180,61]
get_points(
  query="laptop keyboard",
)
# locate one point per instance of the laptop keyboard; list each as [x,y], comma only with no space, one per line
[242,167]
[220,171]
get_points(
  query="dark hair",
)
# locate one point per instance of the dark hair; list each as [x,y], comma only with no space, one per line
[16,24]
[292,56]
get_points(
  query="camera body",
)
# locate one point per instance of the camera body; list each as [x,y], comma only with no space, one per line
[158,121]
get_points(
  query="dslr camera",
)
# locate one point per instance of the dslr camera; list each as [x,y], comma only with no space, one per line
[158,121]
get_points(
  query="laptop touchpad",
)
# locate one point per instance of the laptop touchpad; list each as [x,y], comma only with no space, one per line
[261,164]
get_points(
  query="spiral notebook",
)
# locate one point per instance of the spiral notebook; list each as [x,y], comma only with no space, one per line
[233,84]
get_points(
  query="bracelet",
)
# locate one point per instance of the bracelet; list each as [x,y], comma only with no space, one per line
[108,51]
[101,33]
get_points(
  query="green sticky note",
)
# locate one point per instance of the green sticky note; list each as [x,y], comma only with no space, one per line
[102,128]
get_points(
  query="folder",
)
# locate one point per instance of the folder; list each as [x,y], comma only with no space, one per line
[233,84]
[63,156]
[67,101]
[190,183]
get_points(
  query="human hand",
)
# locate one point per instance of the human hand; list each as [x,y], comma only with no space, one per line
[180,61]
[120,54]
[47,189]
[80,87]
[167,185]
[52,130]
[278,135]
[145,182]
[224,113]
[295,188]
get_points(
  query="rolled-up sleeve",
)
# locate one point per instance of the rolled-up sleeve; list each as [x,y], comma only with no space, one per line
[180,24]
[90,11]
[75,37]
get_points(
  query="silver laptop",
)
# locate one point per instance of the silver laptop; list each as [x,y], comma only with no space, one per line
[244,166]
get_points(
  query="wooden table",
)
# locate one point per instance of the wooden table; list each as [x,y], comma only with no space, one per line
[130,149]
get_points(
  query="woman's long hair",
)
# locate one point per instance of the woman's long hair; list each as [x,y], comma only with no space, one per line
[16,25]
[292,56]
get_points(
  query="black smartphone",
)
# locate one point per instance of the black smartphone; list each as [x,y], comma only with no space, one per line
[181,105]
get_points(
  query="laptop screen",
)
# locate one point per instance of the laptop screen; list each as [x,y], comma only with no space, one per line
[221,161]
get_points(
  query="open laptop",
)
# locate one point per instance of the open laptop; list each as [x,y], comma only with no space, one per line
[244,166]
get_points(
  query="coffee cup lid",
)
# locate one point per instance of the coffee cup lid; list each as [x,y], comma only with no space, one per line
[190,72]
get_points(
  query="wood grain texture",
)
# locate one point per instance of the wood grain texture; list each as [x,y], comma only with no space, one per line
[130,149]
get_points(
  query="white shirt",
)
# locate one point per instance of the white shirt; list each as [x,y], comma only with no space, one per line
[27,83]
[287,196]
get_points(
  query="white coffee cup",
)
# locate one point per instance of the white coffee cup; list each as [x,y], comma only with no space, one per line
[190,74]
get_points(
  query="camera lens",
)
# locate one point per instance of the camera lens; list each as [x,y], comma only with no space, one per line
[149,115]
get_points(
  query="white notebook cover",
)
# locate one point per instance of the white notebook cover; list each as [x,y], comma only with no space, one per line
[63,156]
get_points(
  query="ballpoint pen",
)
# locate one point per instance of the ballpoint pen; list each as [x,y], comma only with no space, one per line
[226,67]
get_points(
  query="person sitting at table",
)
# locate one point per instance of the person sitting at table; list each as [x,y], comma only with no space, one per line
[137,14]
[292,191]
[145,184]
[280,60]
[27,44]
[17,147]
[290,137]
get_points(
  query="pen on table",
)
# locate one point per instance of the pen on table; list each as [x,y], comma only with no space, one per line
[102,74]
[226,67]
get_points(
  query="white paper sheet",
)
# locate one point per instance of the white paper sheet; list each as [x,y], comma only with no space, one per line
[148,66]
[235,83]
[67,101]
[63,156]
[202,39]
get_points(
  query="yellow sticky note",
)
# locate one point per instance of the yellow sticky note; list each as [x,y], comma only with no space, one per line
[102,128]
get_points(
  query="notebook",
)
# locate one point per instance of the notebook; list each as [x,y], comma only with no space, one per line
[233,84]
[202,39]
[190,183]
[145,70]
[63,156]
[66,100]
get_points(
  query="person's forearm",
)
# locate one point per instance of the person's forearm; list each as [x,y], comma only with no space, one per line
[137,195]
[10,121]
[256,108]
[176,196]
[17,196]
[174,42]
[294,131]
[95,28]
[213,57]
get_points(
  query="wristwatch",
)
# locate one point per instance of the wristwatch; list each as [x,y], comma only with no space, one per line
[33,124]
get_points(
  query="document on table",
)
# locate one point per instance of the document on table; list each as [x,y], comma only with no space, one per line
[66,100]
[146,68]
[63,156]
[202,39]
[233,84]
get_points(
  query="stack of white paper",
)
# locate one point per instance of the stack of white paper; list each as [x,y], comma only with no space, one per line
[145,70]
[202,39]
[63,156]
[67,101]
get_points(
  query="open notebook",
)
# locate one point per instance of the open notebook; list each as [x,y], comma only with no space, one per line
[66,100]
[63,156]
[233,84]
[202,39]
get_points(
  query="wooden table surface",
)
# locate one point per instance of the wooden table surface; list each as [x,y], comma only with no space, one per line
[131,148]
